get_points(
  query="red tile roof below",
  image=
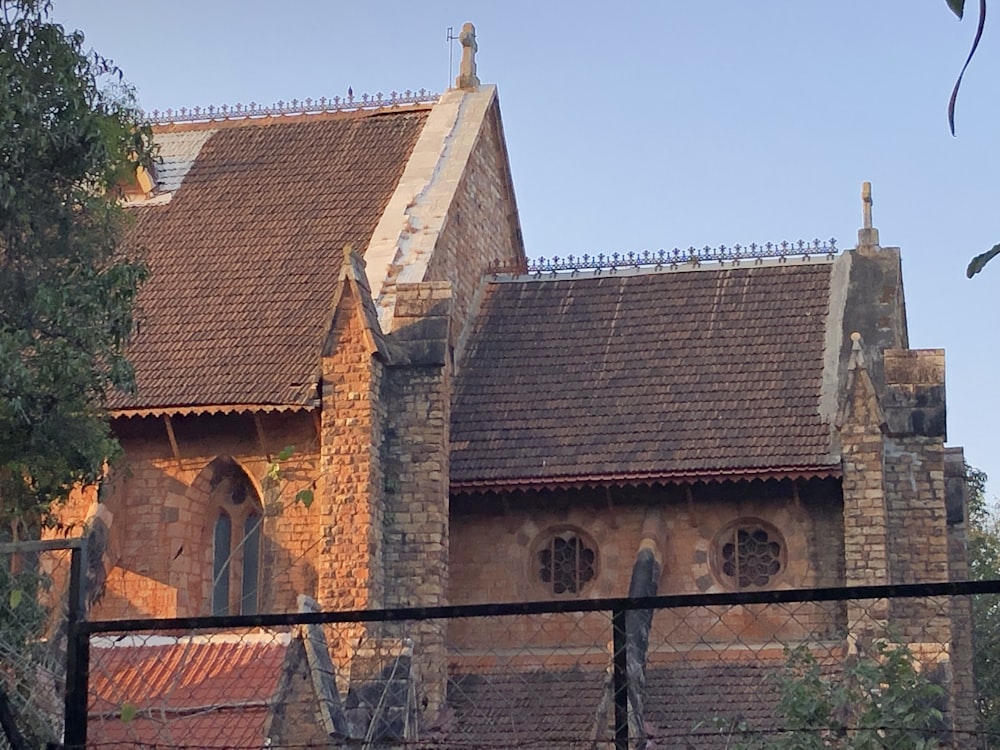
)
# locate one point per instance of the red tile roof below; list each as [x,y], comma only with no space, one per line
[245,256]
[671,374]
[205,694]
[547,708]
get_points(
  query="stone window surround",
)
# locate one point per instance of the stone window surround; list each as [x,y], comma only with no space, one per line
[239,514]
[543,540]
[727,532]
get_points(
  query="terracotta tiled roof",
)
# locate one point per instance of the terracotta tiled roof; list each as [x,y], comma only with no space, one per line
[537,709]
[685,706]
[184,693]
[648,375]
[245,255]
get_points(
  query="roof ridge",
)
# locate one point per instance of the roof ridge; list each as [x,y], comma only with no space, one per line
[308,106]
[674,258]
[564,270]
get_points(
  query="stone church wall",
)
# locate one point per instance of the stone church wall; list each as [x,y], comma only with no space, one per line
[496,543]
[482,225]
[162,529]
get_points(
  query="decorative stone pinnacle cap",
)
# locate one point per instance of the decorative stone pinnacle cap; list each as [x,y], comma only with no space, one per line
[867,235]
[467,78]
[857,353]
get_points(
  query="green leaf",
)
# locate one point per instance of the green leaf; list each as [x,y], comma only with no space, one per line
[15,598]
[305,497]
[129,710]
[977,263]
[286,453]
[69,131]
[957,7]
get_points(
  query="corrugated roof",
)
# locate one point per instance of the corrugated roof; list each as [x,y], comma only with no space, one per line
[245,256]
[671,374]
[197,693]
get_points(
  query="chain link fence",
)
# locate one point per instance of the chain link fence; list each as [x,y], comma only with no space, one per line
[874,667]
[35,583]
[893,667]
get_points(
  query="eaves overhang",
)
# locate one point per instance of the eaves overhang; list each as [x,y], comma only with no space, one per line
[481,486]
[202,409]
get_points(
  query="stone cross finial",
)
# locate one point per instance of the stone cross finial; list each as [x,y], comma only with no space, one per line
[467,78]
[867,235]
[866,204]
[857,352]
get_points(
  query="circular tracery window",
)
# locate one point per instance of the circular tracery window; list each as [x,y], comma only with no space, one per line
[749,554]
[565,562]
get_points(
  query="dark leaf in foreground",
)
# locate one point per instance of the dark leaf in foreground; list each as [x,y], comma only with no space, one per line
[977,263]
[975,45]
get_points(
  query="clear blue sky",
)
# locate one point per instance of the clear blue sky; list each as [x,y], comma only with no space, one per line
[659,124]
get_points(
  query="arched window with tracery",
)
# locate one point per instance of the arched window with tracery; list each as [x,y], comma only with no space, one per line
[749,554]
[565,561]
[236,541]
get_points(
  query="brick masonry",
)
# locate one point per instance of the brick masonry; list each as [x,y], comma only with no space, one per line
[495,539]
[384,532]
[375,455]
[415,528]
[350,498]
[482,227]
[161,551]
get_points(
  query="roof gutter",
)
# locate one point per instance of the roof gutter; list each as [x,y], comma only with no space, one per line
[643,478]
[183,411]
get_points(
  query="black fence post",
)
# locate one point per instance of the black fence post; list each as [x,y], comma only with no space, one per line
[620,678]
[77,658]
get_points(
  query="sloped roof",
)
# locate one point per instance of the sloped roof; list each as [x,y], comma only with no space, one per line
[184,692]
[245,255]
[684,706]
[715,371]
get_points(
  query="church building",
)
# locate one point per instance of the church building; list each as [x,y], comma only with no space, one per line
[356,391]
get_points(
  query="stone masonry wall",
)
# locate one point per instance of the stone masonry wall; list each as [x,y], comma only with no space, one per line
[914,480]
[294,718]
[350,498]
[416,397]
[494,544]
[481,227]
[415,525]
[914,483]
[918,504]
[866,524]
[162,527]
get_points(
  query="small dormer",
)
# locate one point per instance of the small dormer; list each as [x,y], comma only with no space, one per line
[141,185]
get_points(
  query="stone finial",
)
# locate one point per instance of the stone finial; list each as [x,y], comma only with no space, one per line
[866,204]
[307,603]
[857,352]
[867,235]
[467,78]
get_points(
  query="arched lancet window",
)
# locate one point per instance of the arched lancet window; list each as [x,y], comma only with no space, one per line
[236,542]
[251,565]
[220,567]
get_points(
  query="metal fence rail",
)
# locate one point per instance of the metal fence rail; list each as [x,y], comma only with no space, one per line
[701,671]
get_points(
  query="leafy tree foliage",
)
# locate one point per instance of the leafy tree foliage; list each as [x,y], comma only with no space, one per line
[879,699]
[984,564]
[69,136]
